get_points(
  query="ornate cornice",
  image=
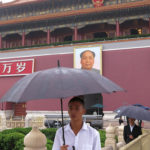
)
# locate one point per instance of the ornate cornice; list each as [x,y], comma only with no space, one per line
[18,3]
[76,12]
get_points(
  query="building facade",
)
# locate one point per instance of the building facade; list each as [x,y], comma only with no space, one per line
[28,23]
[44,22]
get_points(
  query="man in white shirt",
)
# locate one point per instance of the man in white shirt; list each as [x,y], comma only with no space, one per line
[78,135]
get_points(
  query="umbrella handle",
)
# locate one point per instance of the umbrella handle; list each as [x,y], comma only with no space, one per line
[63,134]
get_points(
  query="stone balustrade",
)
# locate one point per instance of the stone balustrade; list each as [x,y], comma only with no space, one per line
[110,137]
[37,121]
[35,140]
[120,133]
[140,143]
[107,148]
[110,143]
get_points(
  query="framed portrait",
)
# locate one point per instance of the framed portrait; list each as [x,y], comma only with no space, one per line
[88,57]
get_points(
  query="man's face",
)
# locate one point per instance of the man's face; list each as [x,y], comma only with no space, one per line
[76,110]
[131,121]
[87,60]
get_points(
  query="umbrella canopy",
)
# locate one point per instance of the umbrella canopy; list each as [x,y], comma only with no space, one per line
[120,109]
[59,82]
[98,106]
[139,105]
[133,112]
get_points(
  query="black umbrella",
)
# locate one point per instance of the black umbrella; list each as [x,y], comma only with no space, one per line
[133,112]
[59,83]
[139,105]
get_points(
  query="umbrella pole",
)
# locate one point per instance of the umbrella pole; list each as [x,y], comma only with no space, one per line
[63,134]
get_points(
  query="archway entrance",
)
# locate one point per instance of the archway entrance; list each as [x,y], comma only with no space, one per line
[100,35]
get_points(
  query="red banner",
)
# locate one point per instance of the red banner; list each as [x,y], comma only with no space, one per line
[98,3]
[16,67]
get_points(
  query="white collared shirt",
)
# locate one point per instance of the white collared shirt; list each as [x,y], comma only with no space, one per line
[87,138]
[131,128]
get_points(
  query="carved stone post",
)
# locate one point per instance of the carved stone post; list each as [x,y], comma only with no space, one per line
[35,140]
[110,137]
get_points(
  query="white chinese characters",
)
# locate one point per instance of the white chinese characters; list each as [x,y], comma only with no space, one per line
[21,66]
[7,68]
[11,68]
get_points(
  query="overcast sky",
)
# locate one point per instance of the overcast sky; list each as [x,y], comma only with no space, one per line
[6,1]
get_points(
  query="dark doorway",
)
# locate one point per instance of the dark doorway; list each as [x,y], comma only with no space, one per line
[100,35]
[134,32]
[68,38]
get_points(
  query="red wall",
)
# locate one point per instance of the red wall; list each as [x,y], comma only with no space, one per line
[131,70]
[128,68]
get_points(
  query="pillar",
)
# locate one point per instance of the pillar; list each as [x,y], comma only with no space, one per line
[149,25]
[0,41]
[23,38]
[48,36]
[110,137]
[2,120]
[54,39]
[117,28]
[75,33]
[120,133]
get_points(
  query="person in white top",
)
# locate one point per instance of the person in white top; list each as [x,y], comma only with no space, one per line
[78,135]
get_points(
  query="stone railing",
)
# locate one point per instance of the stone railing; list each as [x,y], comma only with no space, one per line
[111,133]
[108,148]
[8,123]
[35,140]
[15,123]
[36,121]
[141,143]
[145,130]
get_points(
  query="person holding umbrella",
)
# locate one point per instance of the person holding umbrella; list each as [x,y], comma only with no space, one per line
[78,135]
[54,84]
[131,131]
